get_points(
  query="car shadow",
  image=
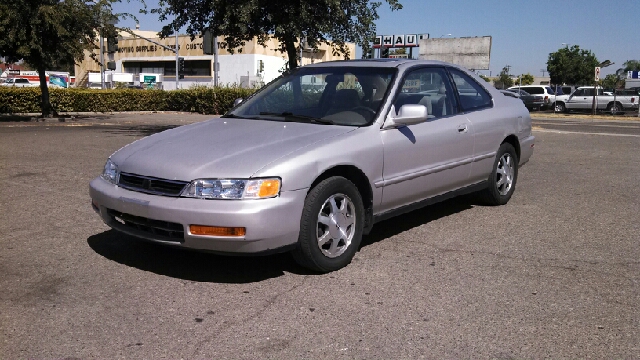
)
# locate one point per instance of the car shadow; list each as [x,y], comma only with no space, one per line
[137,130]
[396,225]
[207,267]
[190,265]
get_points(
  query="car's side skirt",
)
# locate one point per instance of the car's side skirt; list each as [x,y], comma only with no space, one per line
[433,200]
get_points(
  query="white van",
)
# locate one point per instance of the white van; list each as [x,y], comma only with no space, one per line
[545,91]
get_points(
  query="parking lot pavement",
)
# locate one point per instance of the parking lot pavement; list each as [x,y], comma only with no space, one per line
[554,273]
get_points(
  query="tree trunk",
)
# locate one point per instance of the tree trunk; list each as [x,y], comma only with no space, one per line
[292,53]
[45,104]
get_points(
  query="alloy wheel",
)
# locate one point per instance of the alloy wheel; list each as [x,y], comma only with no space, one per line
[504,174]
[336,225]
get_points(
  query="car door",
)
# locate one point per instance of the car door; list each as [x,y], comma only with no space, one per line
[580,100]
[486,120]
[432,157]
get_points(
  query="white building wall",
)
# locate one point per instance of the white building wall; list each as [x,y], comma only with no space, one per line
[232,67]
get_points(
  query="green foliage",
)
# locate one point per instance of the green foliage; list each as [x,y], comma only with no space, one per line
[632,65]
[201,100]
[571,65]
[485,78]
[504,80]
[527,79]
[52,34]
[319,21]
[610,81]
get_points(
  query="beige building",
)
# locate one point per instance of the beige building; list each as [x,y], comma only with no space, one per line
[253,63]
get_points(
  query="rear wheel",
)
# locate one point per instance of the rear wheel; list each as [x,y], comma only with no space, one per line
[331,225]
[614,108]
[502,181]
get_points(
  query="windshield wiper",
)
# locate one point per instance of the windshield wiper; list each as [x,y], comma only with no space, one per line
[289,116]
[230,116]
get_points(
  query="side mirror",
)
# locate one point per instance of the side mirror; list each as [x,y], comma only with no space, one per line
[237,101]
[409,114]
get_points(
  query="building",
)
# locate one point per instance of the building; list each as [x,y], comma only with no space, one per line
[251,65]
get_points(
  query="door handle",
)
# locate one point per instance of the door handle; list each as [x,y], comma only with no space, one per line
[462,128]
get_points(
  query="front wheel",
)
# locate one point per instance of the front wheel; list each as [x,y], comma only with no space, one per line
[502,181]
[331,226]
[560,107]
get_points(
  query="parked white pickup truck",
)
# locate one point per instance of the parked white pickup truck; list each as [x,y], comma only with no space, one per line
[582,99]
[19,82]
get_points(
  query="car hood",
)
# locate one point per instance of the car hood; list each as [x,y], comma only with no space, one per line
[224,147]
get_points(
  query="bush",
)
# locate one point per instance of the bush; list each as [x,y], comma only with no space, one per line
[204,100]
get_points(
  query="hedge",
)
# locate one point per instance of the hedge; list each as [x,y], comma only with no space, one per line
[204,100]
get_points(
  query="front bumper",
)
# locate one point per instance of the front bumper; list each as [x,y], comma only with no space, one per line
[270,223]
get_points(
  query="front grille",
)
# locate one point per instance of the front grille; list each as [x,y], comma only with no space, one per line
[151,185]
[157,229]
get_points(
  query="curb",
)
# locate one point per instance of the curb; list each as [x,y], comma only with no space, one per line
[75,116]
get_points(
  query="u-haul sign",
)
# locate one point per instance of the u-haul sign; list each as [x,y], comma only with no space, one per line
[396,41]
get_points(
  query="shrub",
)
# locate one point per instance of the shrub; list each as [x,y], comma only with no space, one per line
[204,100]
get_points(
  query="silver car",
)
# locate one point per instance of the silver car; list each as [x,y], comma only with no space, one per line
[312,161]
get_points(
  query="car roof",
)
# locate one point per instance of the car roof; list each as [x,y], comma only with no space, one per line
[387,63]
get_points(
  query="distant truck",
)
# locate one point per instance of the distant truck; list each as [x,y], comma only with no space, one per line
[582,100]
[19,82]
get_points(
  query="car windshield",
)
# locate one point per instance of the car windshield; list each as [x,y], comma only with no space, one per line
[350,96]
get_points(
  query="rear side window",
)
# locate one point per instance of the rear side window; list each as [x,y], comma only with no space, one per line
[535,90]
[21,81]
[472,95]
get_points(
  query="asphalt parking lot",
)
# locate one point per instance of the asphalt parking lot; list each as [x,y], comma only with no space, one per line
[553,274]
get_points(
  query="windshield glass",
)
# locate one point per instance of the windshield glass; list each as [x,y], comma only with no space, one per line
[350,96]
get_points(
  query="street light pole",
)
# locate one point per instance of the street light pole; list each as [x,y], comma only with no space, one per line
[177,60]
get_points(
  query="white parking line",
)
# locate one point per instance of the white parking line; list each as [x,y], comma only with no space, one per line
[583,133]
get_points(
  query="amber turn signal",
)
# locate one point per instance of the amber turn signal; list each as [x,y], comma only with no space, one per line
[269,188]
[216,230]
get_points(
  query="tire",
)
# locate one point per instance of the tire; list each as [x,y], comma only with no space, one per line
[502,181]
[614,108]
[331,226]
[560,107]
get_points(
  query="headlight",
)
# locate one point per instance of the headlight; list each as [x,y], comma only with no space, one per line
[110,172]
[232,188]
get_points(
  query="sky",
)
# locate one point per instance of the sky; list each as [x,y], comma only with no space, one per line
[523,32]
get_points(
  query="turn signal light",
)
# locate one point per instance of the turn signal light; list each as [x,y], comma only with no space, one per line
[216,230]
[269,188]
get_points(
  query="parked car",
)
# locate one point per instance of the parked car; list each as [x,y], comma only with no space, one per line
[19,82]
[310,170]
[532,102]
[545,91]
[582,99]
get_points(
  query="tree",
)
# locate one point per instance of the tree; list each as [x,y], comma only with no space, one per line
[527,79]
[571,65]
[51,34]
[318,21]
[485,78]
[632,65]
[504,80]
[610,81]
[400,51]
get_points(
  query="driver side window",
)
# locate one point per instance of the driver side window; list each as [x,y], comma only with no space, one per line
[429,87]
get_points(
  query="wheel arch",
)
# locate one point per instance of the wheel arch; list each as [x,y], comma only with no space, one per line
[360,180]
[513,141]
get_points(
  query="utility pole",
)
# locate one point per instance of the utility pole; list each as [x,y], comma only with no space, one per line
[101,59]
[177,52]
[543,71]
